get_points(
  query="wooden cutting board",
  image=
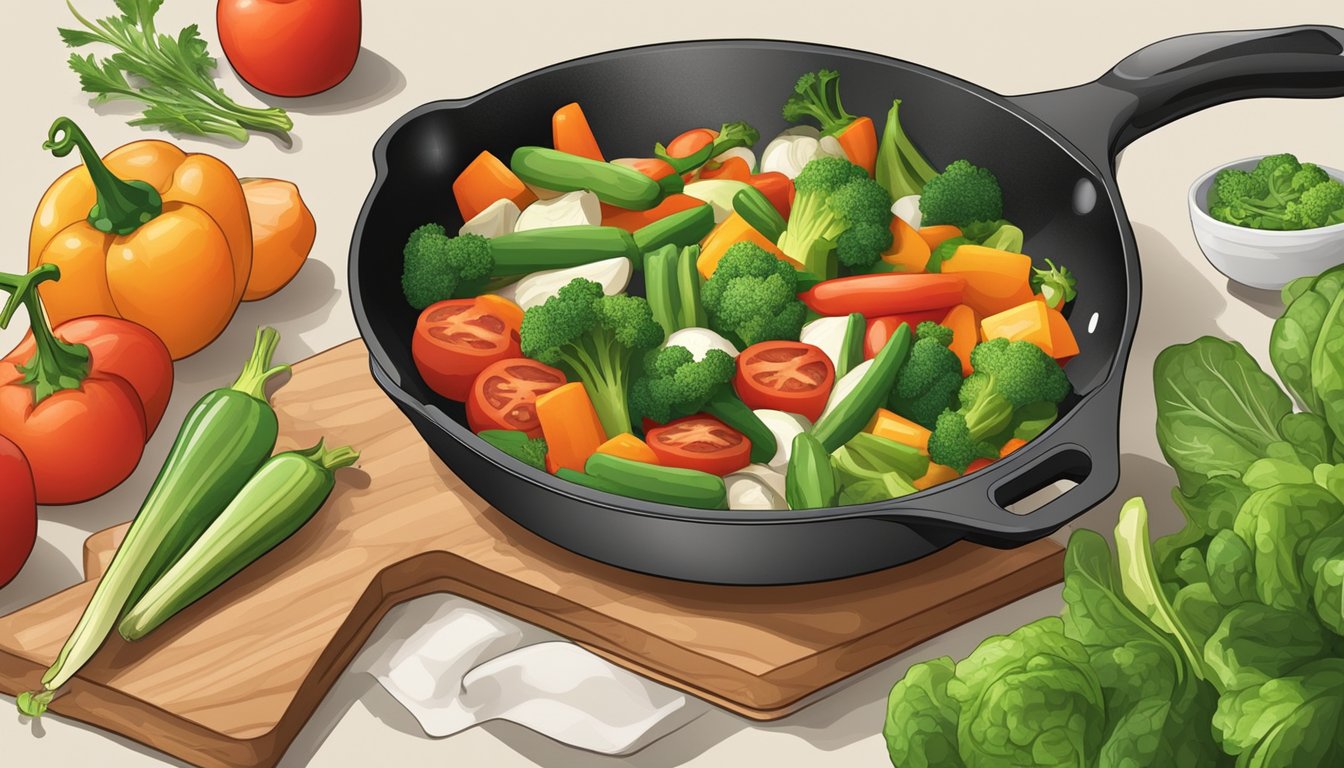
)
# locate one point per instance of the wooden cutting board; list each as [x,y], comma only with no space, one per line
[230,681]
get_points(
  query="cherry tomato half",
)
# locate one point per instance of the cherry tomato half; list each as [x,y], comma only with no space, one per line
[702,443]
[777,188]
[18,511]
[504,395]
[456,339]
[691,141]
[785,376]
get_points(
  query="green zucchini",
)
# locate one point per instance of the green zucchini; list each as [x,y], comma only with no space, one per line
[279,499]
[849,417]
[661,287]
[809,480]
[522,253]
[757,210]
[651,482]
[681,229]
[560,171]
[688,288]
[672,286]
[851,351]
[224,439]
[725,406]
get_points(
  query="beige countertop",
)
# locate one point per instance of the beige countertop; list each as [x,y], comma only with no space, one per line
[421,50]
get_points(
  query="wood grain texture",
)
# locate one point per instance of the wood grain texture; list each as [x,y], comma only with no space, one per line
[232,680]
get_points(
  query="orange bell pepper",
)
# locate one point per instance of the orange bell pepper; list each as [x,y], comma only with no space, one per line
[935,235]
[897,428]
[570,425]
[937,475]
[995,280]
[733,229]
[1026,322]
[627,446]
[283,231]
[908,251]
[148,233]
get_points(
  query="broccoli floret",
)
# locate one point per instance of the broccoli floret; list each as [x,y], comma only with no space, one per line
[753,296]
[675,384]
[734,135]
[961,195]
[1008,375]
[1055,284]
[834,197]
[817,95]
[529,450]
[1308,176]
[928,383]
[436,265]
[593,338]
[1320,206]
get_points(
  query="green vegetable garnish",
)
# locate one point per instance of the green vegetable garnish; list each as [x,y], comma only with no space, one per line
[172,75]
[1280,193]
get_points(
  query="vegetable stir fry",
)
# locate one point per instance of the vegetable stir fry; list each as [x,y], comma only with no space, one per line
[831,322]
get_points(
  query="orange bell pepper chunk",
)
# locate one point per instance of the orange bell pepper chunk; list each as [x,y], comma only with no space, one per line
[859,140]
[1063,344]
[899,429]
[937,475]
[908,251]
[1026,322]
[570,426]
[936,234]
[995,280]
[627,446]
[486,180]
[733,229]
[1012,445]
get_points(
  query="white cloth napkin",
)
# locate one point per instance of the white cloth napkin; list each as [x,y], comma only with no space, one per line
[455,664]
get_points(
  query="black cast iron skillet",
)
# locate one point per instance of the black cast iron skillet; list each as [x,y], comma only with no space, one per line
[1054,154]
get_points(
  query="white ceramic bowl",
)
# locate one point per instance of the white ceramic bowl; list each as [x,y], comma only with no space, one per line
[1262,258]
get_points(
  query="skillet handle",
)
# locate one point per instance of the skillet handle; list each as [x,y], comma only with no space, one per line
[1085,450]
[1181,75]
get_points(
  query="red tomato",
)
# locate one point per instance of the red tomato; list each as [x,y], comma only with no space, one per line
[690,142]
[18,511]
[884,293]
[81,442]
[881,328]
[702,443]
[455,340]
[290,47]
[785,376]
[123,348]
[777,188]
[504,395]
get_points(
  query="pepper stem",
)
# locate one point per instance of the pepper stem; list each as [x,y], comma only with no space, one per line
[258,370]
[55,365]
[123,206]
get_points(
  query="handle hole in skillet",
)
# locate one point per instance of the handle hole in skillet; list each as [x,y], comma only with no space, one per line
[1043,482]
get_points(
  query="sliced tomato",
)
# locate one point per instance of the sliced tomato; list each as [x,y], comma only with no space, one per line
[881,328]
[504,395]
[777,188]
[455,340]
[785,376]
[702,443]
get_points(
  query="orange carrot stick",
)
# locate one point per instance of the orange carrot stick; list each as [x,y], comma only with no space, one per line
[859,140]
[571,133]
[485,181]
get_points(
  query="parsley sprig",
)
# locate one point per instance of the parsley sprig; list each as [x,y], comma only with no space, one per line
[171,76]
